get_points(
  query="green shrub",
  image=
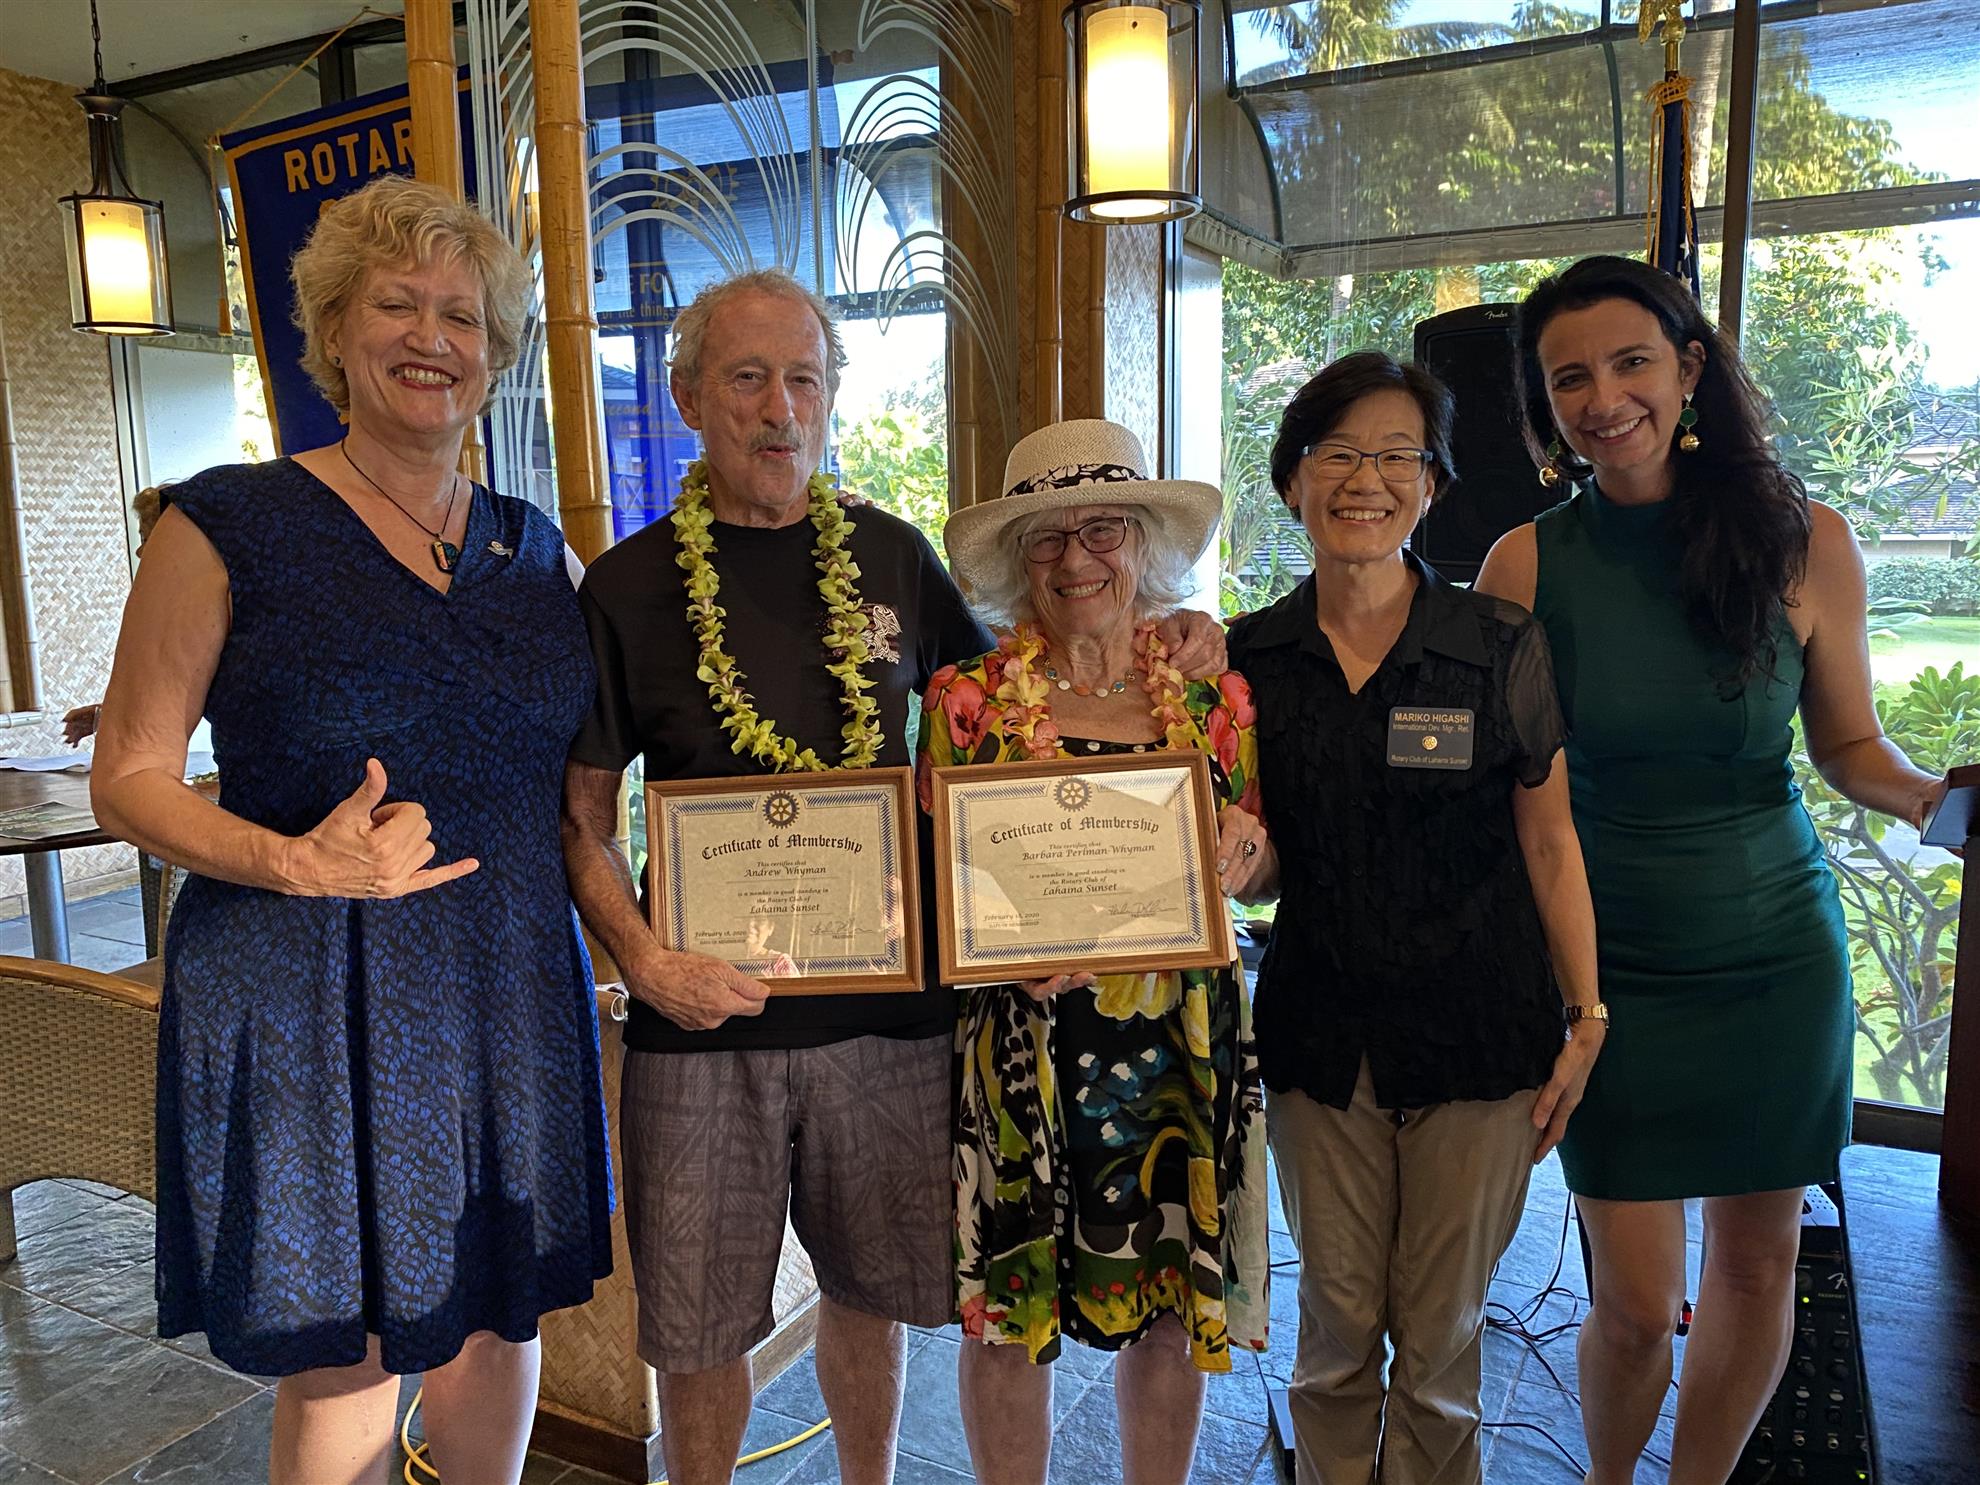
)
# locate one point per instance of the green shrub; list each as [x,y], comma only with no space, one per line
[1902,913]
[1949,585]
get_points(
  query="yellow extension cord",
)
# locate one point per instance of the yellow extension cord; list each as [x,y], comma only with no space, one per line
[416,1453]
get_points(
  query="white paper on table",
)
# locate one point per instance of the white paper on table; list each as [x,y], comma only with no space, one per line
[76,762]
[197,763]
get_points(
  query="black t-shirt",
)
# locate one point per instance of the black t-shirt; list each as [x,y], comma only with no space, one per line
[649,701]
[1406,928]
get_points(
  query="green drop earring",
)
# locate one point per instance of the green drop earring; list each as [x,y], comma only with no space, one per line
[1550,472]
[1687,420]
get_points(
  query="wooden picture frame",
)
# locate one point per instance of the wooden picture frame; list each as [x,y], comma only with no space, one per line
[1013,859]
[809,881]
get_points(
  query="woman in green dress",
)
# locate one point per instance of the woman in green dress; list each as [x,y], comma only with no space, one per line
[1695,598]
[1110,1174]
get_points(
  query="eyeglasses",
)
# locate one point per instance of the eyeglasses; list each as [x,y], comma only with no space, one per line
[1101,534]
[1336,461]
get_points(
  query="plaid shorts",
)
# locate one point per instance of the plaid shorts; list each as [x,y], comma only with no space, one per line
[852,1139]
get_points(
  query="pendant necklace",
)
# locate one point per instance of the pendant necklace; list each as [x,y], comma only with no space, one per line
[1065,684]
[445,553]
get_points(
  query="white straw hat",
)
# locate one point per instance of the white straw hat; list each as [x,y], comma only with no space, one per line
[1084,461]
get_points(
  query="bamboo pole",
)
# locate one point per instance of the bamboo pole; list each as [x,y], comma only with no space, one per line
[569,323]
[23,671]
[598,1403]
[432,87]
[1049,347]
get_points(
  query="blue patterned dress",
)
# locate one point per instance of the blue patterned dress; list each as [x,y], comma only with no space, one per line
[382,1116]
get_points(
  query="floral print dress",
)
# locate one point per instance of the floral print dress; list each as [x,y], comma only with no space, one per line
[1110,1147]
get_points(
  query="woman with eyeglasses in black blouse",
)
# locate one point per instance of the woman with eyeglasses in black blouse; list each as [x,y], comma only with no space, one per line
[1433,918]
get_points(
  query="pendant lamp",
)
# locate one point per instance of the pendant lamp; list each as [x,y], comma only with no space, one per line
[1132,66]
[118,283]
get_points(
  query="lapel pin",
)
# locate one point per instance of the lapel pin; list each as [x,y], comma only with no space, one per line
[499,550]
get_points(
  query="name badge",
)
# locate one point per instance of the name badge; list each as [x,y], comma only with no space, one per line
[1430,737]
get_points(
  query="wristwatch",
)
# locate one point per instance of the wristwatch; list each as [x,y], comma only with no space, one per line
[1577,1013]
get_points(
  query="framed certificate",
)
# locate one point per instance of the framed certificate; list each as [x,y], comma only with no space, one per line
[810,882]
[1101,864]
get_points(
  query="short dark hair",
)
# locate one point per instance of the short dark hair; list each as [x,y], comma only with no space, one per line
[1319,407]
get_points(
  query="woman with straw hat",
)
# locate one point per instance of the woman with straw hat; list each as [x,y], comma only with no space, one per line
[1110,1181]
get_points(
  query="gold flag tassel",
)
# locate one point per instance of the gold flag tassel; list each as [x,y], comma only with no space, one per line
[1673,89]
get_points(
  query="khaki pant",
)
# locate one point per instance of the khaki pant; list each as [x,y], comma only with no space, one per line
[1399,1220]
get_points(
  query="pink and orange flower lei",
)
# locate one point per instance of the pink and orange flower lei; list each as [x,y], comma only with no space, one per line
[1026,694]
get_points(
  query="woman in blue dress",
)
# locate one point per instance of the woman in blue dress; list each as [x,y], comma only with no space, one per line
[381,1134]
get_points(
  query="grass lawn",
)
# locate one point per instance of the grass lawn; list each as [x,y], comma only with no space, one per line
[1937,641]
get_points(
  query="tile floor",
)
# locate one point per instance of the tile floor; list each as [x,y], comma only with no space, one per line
[105,933]
[89,1395]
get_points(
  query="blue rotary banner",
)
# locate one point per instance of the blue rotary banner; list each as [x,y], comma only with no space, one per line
[282,174]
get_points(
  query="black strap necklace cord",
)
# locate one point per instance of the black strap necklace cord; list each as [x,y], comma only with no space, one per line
[445,553]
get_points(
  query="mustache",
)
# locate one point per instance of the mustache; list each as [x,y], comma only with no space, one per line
[788,435]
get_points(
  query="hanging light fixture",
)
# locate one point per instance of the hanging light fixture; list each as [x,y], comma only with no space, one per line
[1132,109]
[116,240]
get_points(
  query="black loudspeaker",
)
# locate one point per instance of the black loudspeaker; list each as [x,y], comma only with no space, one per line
[1471,351]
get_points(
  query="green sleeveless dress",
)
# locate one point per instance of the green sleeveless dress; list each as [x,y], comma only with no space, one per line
[1723,954]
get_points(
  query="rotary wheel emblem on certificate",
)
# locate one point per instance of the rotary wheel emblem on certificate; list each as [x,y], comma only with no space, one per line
[780,809]
[1073,794]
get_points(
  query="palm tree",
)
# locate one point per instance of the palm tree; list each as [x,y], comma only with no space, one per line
[1327,35]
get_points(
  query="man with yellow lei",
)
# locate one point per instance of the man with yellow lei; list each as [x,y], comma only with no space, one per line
[767,628]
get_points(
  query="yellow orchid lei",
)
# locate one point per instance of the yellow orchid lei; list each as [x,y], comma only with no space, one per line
[845,631]
[1164,684]
[1027,696]
[1024,692]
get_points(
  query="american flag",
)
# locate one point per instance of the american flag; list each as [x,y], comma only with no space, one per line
[1672,243]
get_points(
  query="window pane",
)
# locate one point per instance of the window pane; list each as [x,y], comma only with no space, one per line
[1277,334]
[1276,41]
[1862,338]
[890,423]
[1387,121]
[1866,98]
[1527,138]
[199,408]
[692,185]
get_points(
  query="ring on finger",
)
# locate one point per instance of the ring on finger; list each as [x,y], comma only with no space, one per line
[1251,848]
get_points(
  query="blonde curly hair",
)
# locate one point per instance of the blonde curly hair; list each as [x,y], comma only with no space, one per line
[392,222]
[148,505]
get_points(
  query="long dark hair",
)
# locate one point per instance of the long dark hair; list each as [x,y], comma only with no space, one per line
[1741,516]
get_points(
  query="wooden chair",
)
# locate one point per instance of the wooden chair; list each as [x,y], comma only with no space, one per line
[78,1075]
